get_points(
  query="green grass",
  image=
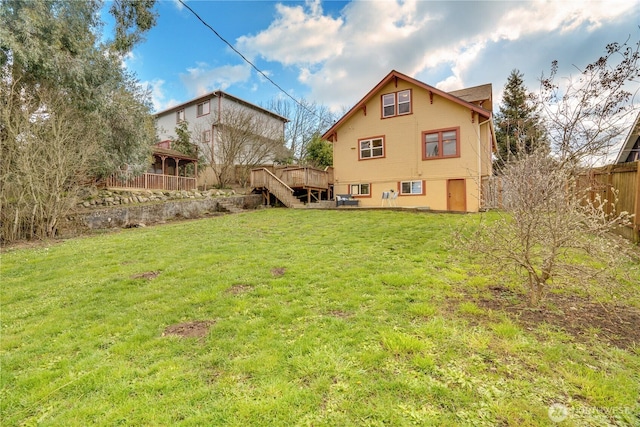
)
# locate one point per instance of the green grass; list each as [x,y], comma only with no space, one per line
[368,326]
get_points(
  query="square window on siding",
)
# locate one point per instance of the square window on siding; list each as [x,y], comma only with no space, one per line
[441,144]
[411,187]
[370,148]
[360,189]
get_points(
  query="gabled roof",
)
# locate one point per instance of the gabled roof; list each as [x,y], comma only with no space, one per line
[397,75]
[634,134]
[479,95]
[161,151]
[221,94]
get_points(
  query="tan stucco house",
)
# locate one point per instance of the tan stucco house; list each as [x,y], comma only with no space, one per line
[423,146]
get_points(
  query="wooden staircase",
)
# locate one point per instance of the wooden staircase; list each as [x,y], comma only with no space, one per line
[265,180]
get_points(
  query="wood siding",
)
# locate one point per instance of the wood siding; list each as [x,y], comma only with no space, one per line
[403,149]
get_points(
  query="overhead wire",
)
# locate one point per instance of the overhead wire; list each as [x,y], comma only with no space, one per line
[249,62]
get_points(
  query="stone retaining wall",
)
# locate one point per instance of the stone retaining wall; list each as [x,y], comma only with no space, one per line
[94,198]
[127,214]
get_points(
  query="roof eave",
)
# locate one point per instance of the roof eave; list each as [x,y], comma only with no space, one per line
[481,111]
[218,93]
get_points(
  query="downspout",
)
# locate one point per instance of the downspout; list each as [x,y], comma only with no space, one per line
[214,131]
[480,153]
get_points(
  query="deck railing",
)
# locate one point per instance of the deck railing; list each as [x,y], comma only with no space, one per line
[305,177]
[152,181]
[262,178]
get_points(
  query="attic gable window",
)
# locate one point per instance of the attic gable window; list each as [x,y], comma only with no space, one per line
[389,105]
[396,104]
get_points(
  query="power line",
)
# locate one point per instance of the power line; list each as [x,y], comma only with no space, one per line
[247,61]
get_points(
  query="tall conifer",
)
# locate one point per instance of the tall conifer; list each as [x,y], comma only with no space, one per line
[518,128]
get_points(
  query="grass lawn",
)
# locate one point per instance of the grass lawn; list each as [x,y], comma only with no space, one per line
[323,318]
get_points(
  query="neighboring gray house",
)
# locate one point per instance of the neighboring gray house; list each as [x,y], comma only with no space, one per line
[630,150]
[227,130]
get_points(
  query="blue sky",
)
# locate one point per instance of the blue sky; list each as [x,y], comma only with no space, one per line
[334,52]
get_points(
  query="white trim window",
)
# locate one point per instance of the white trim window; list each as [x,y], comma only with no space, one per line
[411,187]
[360,189]
[180,116]
[389,105]
[371,148]
[396,103]
[404,102]
[203,108]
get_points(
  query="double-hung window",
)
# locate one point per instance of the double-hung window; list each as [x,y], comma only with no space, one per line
[411,187]
[396,103]
[360,190]
[389,105]
[404,102]
[180,116]
[371,148]
[203,108]
[206,136]
[441,144]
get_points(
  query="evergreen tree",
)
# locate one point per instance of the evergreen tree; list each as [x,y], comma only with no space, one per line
[319,152]
[69,112]
[54,45]
[518,128]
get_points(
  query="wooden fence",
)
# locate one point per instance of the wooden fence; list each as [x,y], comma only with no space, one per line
[620,180]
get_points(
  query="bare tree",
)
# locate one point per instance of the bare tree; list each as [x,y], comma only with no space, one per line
[547,220]
[241,139]
[48,153]
[585,114]
[306,119]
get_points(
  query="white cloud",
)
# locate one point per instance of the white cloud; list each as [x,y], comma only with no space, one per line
[178,5]
[298,35]
[202,79]
[564,17]
[158,97]
[341,58]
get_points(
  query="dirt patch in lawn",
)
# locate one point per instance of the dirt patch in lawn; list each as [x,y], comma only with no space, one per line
[195,329]
[339,314]
[146,275]
[277,272]
[580,317]
[239,288]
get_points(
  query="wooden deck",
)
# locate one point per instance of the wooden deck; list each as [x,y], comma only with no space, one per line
[301,182]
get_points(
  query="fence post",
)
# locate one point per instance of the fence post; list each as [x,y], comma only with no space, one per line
[636,220]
